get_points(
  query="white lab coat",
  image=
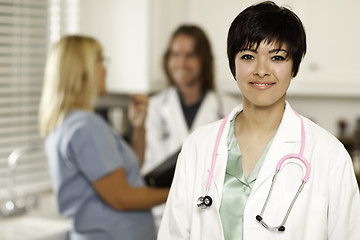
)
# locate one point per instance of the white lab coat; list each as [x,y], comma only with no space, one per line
[327,208]
[166,128]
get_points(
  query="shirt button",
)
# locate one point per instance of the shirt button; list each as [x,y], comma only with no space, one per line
[244,187]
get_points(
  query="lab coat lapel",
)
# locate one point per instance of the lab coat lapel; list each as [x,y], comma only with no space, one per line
[286,141]
[173,116]
[221,159]
[208,111]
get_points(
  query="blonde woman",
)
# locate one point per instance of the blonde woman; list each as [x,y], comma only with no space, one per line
[95,173]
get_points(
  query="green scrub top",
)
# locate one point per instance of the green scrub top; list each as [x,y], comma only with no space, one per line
[237,188]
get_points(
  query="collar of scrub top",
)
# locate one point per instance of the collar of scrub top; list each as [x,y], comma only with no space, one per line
[206,201]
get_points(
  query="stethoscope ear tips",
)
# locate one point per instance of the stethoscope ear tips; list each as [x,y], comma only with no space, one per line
[204,202]
[281,229]
[260,220]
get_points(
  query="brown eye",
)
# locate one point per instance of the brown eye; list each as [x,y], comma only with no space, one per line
[247,57]
[278,58]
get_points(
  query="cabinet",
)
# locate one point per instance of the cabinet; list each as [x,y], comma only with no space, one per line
[123,28]
[135,35]
[329,67]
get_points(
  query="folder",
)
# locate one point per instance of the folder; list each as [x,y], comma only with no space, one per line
[163,174]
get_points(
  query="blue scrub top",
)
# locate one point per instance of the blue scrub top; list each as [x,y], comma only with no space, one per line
[81,150]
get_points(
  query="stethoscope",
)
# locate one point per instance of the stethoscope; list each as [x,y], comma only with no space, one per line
[206,201]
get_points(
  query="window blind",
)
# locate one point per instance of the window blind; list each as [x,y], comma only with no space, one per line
[24,32]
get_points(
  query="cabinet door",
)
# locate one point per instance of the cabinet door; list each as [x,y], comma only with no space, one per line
[332,59]
[122,27]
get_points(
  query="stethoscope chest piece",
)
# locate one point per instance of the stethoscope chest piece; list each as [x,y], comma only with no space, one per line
[204,202]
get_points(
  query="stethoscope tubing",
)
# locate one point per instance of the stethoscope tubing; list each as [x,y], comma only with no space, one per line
[278,166]
[299,156]
[217,143]
[201,201]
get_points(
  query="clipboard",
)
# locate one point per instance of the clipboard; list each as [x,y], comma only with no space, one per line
[163,174]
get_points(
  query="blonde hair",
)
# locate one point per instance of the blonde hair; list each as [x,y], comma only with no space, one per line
[70,80]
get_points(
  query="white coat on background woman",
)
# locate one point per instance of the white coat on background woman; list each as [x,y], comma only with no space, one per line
[190,100]
[166,125]
[265,46]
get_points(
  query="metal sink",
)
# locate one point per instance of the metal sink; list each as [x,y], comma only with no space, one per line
[33,228]
[42,222]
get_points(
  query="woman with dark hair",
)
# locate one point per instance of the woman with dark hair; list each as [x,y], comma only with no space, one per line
[189,102]
[264,172]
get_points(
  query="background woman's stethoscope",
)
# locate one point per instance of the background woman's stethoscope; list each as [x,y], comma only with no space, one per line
[206,201]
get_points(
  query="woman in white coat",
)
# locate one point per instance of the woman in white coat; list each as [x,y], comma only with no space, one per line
[266,44]
[188,103]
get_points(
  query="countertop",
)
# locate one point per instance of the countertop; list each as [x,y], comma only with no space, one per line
[41,222]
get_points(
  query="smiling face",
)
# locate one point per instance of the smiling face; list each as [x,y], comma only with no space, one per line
[184,65]
[263,74]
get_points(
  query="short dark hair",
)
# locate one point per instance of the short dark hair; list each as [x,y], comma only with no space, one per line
[267,21]
[202,50]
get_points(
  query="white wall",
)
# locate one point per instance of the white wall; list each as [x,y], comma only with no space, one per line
[123,28]
[327,111]
[135,34]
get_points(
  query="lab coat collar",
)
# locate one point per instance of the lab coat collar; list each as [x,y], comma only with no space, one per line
[289,132]
[221,159]
[172,112]
[289,121]
[209,105]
